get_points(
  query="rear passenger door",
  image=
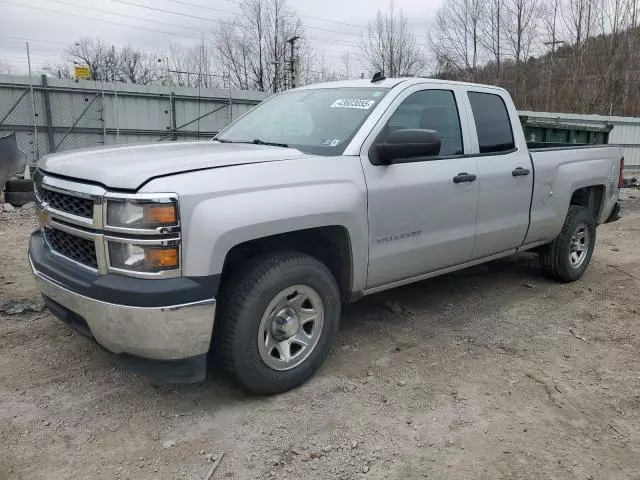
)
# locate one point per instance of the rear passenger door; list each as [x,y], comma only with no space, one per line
[505,173]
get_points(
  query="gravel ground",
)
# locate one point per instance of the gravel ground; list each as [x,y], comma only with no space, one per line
[494,372]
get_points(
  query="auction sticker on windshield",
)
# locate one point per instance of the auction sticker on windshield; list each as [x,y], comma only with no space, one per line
[353,103]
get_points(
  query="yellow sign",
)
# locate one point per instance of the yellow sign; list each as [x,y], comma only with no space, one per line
[83,72]
[43,218]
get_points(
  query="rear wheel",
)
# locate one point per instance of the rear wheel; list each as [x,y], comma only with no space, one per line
[568,256]
[277,320]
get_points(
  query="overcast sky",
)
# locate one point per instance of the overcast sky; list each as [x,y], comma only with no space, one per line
[50,25]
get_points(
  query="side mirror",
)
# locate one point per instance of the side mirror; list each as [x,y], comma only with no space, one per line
[404,144]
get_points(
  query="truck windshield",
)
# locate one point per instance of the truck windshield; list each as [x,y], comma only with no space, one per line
[318,121]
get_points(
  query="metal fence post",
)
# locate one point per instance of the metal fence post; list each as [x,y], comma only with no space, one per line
[172,104]
[47,114]
[35,114]
[102,115]
[230,99]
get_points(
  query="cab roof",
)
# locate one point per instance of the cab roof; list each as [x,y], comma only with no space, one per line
[390,83]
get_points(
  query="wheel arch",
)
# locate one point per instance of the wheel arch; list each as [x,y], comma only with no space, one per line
[330,244]
[591,197]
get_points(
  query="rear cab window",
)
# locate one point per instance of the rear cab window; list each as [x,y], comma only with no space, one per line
[493,124]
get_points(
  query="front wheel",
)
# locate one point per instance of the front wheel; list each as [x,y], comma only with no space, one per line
[568,256]
[277,320]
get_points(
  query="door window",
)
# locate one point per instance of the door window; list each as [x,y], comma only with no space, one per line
[430,110]
[492,122]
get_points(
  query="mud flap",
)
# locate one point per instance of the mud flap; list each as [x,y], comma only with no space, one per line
[615,214]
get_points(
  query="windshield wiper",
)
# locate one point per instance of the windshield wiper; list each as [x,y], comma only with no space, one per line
[257,141]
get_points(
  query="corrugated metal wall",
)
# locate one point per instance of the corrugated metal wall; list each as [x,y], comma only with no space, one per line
[80,114]
[86,114]
[626,130]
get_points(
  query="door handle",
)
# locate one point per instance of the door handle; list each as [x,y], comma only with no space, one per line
[464,177]
[521,172]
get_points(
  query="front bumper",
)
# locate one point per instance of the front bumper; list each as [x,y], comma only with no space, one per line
[176,336]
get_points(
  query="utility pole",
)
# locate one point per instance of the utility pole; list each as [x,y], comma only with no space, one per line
[292,65]
[115,92]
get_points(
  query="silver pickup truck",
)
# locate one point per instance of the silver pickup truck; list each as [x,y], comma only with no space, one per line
[243,249]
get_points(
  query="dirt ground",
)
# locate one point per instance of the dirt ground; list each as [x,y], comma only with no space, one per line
[490,373]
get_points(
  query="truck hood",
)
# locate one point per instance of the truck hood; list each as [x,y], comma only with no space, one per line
[128,167]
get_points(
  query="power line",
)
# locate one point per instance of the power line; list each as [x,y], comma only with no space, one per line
[146,7]
[312,17]
[18,48]
[125,2]
[323,19]
[96,19]
[331,42]
[344,43]
[183,2]
[108,12]
[22,39]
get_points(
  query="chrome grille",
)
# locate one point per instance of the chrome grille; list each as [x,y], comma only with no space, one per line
[82,207]
[76,248]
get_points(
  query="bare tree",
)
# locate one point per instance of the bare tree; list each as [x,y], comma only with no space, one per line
[390,46]
[631,42]
[127,64]
[233,52]
[94,54]
[254,46]
[455,38]
[552,38]
[347,68]
[522,30]
[579,20]
[58,70]
[492,33]
[138,66]
[194,66]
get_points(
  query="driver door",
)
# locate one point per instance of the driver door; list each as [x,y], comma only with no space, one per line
[420,219]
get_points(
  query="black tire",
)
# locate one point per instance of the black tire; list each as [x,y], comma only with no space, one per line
[555,259]
[19,185]
[18,199]
[243,301]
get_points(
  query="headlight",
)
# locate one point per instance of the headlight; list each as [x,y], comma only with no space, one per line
[143,258]
[142,234]
[142,214]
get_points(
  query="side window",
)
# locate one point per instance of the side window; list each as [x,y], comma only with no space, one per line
[492,122]
[430,110]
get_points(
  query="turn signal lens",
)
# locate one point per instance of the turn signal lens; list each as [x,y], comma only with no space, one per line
[161,258]
[160,214]
[143,258]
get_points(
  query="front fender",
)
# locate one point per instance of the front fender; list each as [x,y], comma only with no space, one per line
[223,208]
[253,215]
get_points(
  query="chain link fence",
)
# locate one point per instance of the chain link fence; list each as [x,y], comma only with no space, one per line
[66,115]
